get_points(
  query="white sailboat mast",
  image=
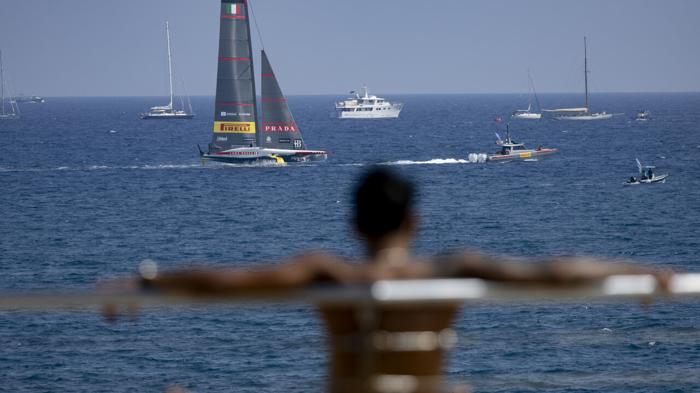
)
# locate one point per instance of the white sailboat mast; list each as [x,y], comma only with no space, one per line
[585,69]
[170,65]
[534,92]
[2,87]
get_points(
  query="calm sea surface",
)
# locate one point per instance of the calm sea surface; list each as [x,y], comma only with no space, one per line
[89,190]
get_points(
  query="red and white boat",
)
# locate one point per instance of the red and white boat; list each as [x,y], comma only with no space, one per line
[512,150]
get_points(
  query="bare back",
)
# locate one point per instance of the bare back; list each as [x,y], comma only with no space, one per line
[382,346]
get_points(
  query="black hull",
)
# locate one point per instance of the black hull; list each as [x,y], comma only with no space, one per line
[245,158]
[243,161]
[259,160]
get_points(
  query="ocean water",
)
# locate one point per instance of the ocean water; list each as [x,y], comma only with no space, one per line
[89,190]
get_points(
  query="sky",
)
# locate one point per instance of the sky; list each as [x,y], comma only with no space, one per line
[117,48]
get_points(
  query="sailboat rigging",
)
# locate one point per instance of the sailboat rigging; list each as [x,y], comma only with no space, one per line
[527,113]
[13,112]
[168,111]
[581,113]
[238,136]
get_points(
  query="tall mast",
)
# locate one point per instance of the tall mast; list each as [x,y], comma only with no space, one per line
[2,87]
[534,92]
[235,114]
[585,69]
[258,132]
[170,65]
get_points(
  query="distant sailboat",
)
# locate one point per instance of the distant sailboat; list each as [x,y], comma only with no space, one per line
[238,136]
[13,112]
[527,113]
[167,111]
[580,113]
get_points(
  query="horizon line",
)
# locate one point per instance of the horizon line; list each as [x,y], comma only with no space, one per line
[415,94]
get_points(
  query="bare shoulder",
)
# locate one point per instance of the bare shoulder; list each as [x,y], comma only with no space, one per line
[416,268]
[421,268]
[327,267]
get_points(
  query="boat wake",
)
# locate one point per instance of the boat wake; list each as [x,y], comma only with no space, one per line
[434,161]
[103,168]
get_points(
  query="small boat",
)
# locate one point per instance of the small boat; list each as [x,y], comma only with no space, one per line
[582,113]
[168,111]
[527,114]
[512,150]
[367,107]
[28,99]
[646,175]
[238,136]
[642,115]
[13,111]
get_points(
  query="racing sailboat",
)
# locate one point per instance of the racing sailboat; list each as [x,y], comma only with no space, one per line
[238,136]
[13,112]
[580,113]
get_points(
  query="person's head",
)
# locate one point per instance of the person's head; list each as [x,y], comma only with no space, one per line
[384,207]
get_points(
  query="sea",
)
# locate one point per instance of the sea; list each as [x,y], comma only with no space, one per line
[89,191]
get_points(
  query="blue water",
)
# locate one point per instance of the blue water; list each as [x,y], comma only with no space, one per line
[89,190]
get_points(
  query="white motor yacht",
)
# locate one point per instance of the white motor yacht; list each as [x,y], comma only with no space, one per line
[367,107]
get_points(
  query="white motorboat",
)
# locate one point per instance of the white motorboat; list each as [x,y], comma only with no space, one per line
[642,115]
[367,107]
[646,175]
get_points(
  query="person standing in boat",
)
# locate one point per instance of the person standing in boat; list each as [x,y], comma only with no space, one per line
[384,218]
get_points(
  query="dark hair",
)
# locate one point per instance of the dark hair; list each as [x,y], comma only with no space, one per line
[383,201]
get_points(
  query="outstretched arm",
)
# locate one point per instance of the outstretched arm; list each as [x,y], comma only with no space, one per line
[301,271]
[564,270]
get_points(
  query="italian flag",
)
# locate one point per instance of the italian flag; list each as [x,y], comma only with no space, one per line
[233,9]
